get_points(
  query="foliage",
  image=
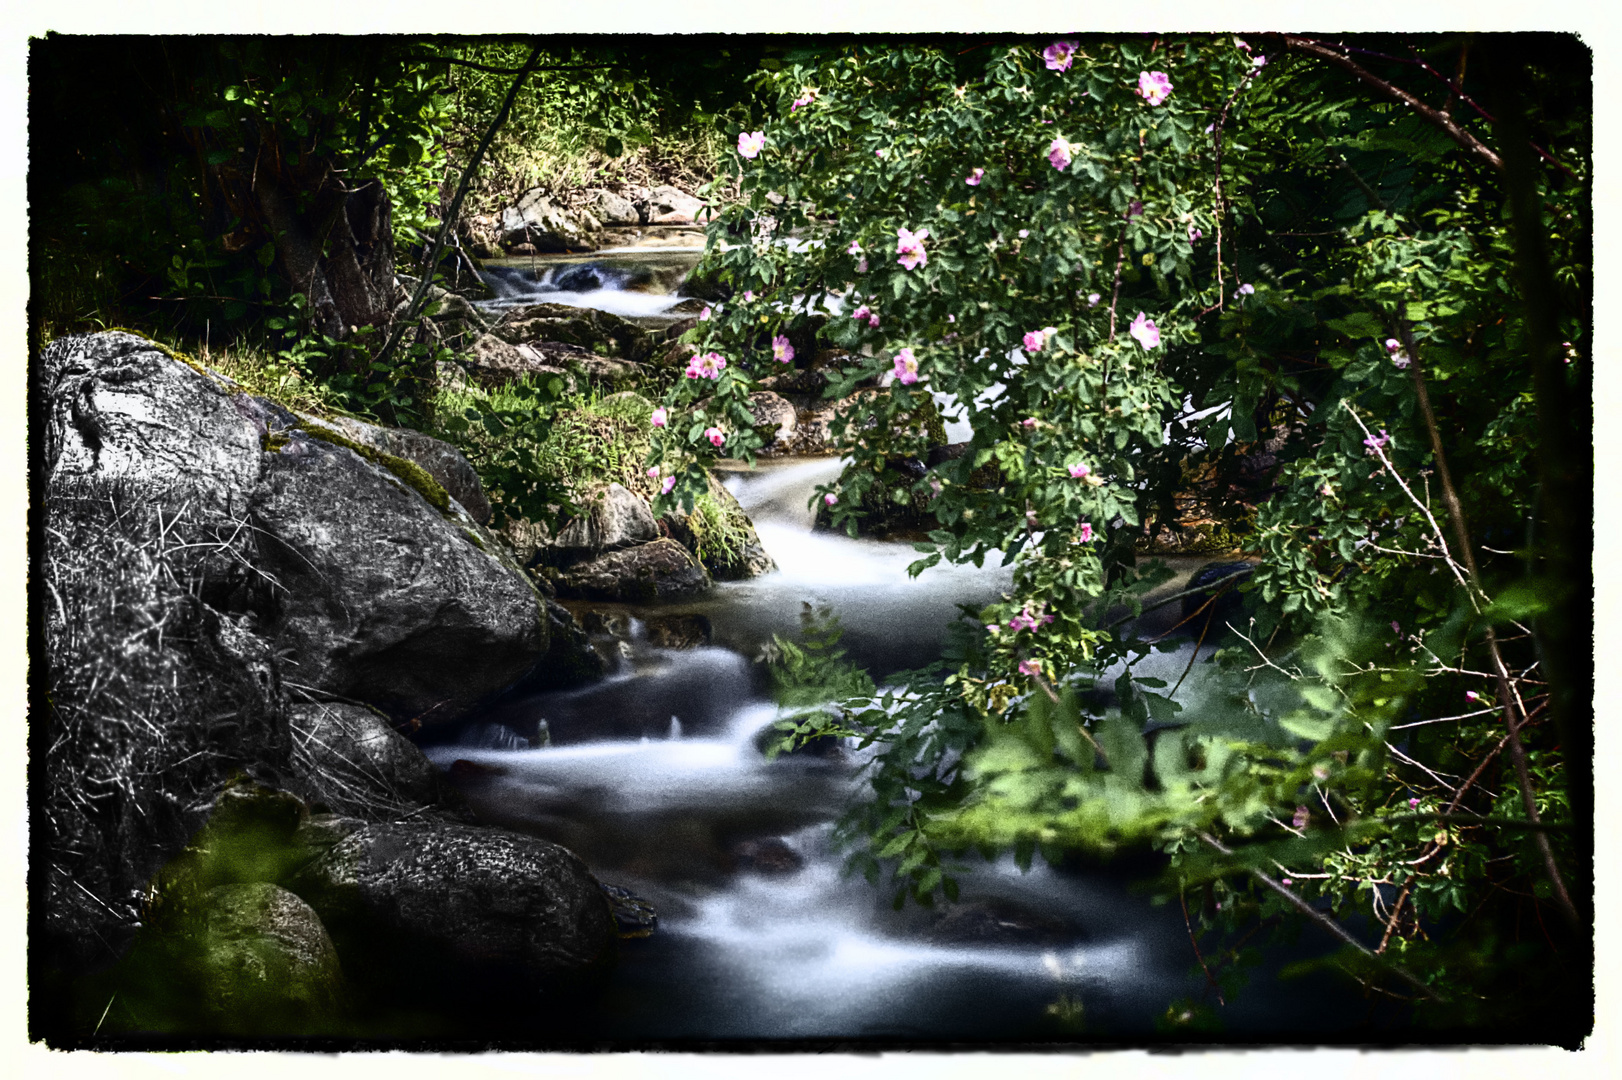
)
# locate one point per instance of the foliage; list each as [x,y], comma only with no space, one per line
[1297,259]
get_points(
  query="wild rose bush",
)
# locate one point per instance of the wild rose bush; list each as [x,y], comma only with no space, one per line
[1033,228]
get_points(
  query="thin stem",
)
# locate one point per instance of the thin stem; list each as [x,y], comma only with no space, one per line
[1323,921]
[456,207]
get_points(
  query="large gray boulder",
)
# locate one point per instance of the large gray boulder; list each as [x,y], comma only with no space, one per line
[443,907]
[442,461]
[645,574]
[536,220]
[389,598]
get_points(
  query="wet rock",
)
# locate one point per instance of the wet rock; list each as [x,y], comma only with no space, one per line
[613,518]
[570,660]
[740,555]
[598,332]
[463,771]
[668,205]
[614,624]
[678,631]
[1216,605]
[769,855]
[612,209]
[442,461]
[356,763]
[387,599]
[649,573]
[536,221]
[773,414]
[634,917]
[446,911]
[998,922]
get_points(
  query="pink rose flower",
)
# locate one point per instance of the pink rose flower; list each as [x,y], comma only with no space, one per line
[1471,696]
[1037,340]
[1154,86]
[1087,536]
[861,313]
[1413,804]
[1259,62]
[751,143]
[854,249]
[704,314]
[1078,471]
[974,178]
[1376,443]
[1246,289]
[708,366]
[1302,816]
[1060,55]
[1028,423]
[715,435]
[660,416]
[906,367]
[1059,153]
[665,488]
[1030,667]
[1145,331]
[910,246]
[804,99]
[1092,299]
[748,296]
[653,473]
[861,265]
[830,498]
[782,351]
[873,319]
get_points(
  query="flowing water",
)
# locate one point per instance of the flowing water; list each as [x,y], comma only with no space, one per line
[655,776]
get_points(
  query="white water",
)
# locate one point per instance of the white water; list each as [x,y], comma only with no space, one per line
[657,780]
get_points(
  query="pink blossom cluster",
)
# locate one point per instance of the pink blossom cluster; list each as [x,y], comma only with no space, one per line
[1399,356]
[1060,153]
[1154,86]
[751,143]
[974,177]
[906,367]
[1060,55]
[867,315]
[708,366]
[1025,620]
[1036,340]
[1144,331]
[782,351]
[910,246]
[666,485]
[715,435]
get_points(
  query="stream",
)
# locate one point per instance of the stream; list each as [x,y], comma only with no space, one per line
[655,777]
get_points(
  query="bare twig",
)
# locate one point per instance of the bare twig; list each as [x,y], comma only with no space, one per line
[1323,921]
